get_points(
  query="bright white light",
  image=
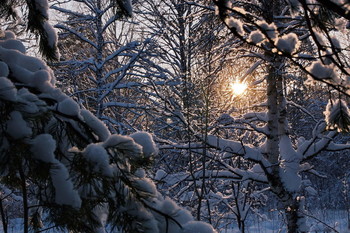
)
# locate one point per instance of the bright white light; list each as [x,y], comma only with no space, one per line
[238,88]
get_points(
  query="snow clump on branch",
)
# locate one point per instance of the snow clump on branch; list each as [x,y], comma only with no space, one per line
[337,115]
[7,89]
[235,25]
[16,127]
[256,37]
[145,139]
[320,71]
[269,29]
[288,43]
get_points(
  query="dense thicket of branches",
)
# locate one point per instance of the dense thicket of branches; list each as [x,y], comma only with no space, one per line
[169,70]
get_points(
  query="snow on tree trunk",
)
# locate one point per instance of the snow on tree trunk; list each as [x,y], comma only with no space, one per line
[277,130]
[278,151]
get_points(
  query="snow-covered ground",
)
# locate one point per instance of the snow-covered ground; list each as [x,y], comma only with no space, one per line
[273,223]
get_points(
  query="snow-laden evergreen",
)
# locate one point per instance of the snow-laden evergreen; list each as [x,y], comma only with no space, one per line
[69,164]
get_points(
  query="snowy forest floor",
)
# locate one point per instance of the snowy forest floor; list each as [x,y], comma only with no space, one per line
[271,222]
[274,223]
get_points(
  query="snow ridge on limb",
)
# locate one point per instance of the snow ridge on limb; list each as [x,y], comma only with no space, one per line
[74,159]
[321,140]
[236,147]
[247,152]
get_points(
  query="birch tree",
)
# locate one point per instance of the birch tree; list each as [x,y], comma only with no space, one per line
[271,29]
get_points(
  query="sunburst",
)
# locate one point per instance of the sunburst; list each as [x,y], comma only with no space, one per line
[238,88]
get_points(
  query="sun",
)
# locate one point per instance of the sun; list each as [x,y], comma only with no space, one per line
[238,88]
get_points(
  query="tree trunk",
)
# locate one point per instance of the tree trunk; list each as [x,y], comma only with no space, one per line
[25,200]
[291,212]
[99,57]
[278,126]
[4,218]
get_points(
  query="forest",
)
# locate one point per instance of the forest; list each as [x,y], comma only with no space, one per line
[174,116]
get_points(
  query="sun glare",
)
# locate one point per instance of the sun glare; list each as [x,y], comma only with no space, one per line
[238,88]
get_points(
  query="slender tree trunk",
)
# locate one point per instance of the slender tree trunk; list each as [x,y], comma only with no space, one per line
[242,226]
[272,144]
[235,193]
[25,200]
[99,58]
[292,216]
[278,127]
[4,218]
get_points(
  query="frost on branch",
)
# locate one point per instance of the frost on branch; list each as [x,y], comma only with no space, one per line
[337,115]
[65,194]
